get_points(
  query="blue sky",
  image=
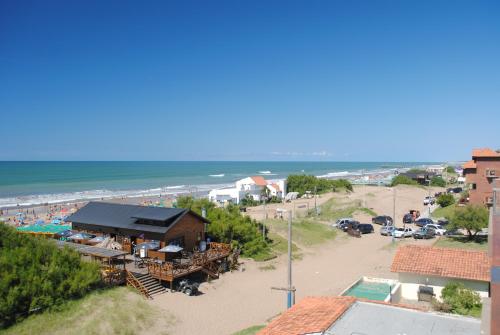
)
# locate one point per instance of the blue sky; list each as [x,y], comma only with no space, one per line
[249,80]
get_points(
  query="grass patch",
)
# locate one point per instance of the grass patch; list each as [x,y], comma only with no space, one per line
[332,210]
[443,212]
[250,330]
[305,232]
[113,311]
[461,242]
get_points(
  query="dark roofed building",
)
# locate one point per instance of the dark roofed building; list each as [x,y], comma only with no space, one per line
[133,223]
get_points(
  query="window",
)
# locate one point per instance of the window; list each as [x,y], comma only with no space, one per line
[179,241]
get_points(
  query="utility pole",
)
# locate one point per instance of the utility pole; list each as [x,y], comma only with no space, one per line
[429,204]
[315,204]
[291,294]
[394,212]
[263,223]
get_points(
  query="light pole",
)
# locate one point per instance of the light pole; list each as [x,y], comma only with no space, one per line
[263,223]
[290,294]
[429,204]
[393,212]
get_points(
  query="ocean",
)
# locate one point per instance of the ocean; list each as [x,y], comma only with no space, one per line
[29,183]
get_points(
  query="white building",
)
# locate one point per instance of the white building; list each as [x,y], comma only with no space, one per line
[435,267]
[253,186]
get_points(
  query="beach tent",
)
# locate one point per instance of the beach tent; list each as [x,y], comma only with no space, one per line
[56,221]
[40,221]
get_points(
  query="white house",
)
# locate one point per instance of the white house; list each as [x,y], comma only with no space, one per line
[252,186]
[435,267]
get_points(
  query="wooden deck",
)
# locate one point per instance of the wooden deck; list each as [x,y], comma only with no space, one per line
[206,261]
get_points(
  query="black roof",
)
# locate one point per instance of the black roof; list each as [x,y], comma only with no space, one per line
[132,217]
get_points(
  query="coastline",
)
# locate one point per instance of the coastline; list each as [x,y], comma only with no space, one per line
[376,176]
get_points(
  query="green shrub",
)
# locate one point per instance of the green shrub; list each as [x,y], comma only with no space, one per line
[461,300]
[450,169]
[402,180]
[36,275]
[304,183]
[438,181]
[472,218]
[445,200]
[228,225]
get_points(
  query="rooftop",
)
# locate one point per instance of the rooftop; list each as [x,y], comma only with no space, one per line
[348,315]
[379,319]
[469,165]
[484,152]
[91,250]
[442,262]
[310,315]
[259,180]
[123,216]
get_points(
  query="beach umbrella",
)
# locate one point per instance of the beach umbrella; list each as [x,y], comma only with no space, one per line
[56,221]
[171,248]
[39,221]
[152,245]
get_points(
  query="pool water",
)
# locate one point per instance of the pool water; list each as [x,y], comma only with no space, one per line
[369,290]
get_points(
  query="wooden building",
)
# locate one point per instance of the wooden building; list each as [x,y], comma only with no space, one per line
[136,224]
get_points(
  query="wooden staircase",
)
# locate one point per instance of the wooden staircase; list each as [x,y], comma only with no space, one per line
[145,284]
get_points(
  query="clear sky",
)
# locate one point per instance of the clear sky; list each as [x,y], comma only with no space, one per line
[249,80]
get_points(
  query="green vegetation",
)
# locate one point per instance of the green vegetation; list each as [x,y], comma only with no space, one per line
[332,210]
[461,242]
[402,180]
[450,170]
[445,200]
[304,183]
[113,311]
[230,226]
[444,212]
[306,232]
[459,300]
[438,181]
[36,275]
[472,218]
[418,171]
[250,331]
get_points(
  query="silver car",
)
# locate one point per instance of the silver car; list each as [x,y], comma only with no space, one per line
[387,230]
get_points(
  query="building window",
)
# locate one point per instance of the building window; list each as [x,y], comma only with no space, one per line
[179,241]
[473,186]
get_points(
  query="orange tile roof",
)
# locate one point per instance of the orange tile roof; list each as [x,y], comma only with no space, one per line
[484,152]
[469,165]
[259,180]
[310,315]
[276,187]
[442,262]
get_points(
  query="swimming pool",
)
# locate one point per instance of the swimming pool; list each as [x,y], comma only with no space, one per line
[372,289]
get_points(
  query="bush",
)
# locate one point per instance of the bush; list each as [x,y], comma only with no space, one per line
[450,169]
[445,200]
[304,183]
[228,225]
[36,275]
[472,218]
[460,300]
[438,181]
[402,180]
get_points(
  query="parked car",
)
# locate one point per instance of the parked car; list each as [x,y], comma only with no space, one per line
[424,233]
[443,222]
[454,190]
[382,220]
[387,230]
[365,228]
[429,201]
[340,223]
[403,232]
[408,218]
[423,221]
[437,228]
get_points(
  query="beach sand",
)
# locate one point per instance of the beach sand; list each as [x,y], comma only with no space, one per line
[244,298]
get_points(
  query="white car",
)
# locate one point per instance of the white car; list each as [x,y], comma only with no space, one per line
[429,201]
[403,232]
[437,228]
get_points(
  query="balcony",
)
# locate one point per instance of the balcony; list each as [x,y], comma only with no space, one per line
[491,174]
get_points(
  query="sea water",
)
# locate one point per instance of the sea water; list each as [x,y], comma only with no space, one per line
[28,183]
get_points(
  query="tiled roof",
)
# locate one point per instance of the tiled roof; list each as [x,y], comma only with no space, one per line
[442,262]
[469,165]
[485,152]
[275,186]
[310,315]
[259,180]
